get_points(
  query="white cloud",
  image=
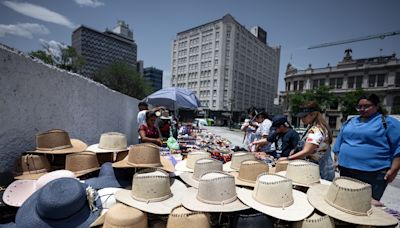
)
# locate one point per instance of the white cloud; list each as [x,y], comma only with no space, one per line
[53,48]
[39,12]
[90,3]
[23,29]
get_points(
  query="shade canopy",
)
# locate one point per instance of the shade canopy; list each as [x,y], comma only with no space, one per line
[174,98]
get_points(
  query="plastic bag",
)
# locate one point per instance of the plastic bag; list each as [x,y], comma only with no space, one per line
[172,143]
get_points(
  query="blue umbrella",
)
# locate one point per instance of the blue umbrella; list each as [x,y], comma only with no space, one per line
[174,98]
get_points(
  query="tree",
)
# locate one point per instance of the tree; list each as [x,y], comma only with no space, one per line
[70,60]
[124,79]
[349,101]
[42,55]
[322,96]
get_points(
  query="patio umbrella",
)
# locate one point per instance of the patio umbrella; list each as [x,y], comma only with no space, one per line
[174,98]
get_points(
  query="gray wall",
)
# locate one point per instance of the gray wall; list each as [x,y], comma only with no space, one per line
[35,97]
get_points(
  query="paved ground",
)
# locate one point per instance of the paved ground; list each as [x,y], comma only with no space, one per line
[391,197]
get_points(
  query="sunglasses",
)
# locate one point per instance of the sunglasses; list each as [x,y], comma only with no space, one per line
[363,107]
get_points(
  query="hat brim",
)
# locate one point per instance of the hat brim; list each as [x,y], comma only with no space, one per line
[241,182]
[166,164]
[77,146]
[316,196]
[32,176]
[161,207]
[321,181]
[299,210]
[191,202]
[95,148]
[188,179]
[83,172]
[301,114]
[227,167]
[18,192]
[181,166]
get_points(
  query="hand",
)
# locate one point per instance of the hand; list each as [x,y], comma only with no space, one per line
[159,142]
[261,155]
[283,159]
[390,175]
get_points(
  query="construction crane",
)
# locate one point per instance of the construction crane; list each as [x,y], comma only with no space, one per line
[370,37]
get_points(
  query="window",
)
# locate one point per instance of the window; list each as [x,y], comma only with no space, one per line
[359,82]
[332,83]
[332,122]
[288,86]
[339,83]
[397,80]
[295,85]
[315,84]
[301,85]
[371,80]
[380,80]
[350,82]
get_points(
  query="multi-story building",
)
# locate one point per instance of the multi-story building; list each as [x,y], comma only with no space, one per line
[100,49]
[154,76]
[228,67]
[380,75]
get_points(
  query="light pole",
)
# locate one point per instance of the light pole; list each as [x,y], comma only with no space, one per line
[231,116]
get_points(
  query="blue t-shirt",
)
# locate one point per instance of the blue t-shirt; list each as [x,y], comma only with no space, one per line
[367,145]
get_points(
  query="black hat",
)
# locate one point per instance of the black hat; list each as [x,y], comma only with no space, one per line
[304,111]
[279,120]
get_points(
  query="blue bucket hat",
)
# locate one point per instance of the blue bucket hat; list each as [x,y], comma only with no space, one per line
[111,178]
[60,203]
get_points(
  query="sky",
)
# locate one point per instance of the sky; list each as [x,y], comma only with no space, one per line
[294,25]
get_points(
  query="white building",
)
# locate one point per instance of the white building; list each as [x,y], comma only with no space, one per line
[227,66]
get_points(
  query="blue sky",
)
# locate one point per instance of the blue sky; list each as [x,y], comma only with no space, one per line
[294,25]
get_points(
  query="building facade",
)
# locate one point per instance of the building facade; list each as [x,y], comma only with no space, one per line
[154,76]
[380,75]
[100,49]
[228,67]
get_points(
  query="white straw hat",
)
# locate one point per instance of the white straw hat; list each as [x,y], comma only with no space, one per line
[348,200]
[187,165]
[216,193]
[248,172]
[273,195]
[315,221]
[110,142]
[237,159]
[201,167]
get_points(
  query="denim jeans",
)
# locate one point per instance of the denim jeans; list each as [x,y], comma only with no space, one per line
[374,178]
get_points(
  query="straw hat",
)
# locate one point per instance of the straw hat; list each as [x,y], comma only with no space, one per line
[187,165]
[82,163]
[201,167]
[348,200]
[237,159]
[216,193]
[145,155]
[279,166]
[315,221]
[20,190]
[33,166]
[110,142]
[303,173]
[57,142]
[273,195]
[153,191]
[248,173]
[181,217]
[122,216]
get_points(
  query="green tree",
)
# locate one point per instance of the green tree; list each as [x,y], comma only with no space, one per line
[70,60]
[349,101]
[42,55]
[322,96]
[124,79]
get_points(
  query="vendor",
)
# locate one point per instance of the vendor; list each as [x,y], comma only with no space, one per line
[148,132]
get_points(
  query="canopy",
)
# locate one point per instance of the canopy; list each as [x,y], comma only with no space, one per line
[174,98]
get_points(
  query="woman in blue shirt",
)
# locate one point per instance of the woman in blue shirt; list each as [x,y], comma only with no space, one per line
[368,147]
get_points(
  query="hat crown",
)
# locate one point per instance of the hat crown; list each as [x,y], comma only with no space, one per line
[32,163]
[205,165]
[81,161]
[303,172]
[144,154]
[113,141]
[239,157]
[315,221]
[194,156]
[350,195]
[122,216]
[46,178]
[281,166]
[53,139]
[249,170]
[273,190]
[151,185]
[181,217]
[217,188]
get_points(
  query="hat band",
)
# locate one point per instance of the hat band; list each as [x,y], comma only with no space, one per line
[34,171]
[223,202]
[55,148]
[162,198]
[369,212]
[150,165]
[245,180]
[283,205]
[112,148]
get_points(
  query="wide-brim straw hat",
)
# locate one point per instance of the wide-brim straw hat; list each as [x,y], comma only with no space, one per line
[20,190]
[348,200]
[273,195]
[33,166]
[121,215]
[201,167]
[248,173]
[181,217]
[110,142]
[315,221]
[279,166]
[153,191]
[145,155]
[321,181]
[187,165]
[57,142]
[216,193]
[237,159]
[82,163]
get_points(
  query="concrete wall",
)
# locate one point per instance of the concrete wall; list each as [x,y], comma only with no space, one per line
[35,97]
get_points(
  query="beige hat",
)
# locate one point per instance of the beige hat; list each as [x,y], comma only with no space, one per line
[57,142]
[303,173]
[82,163]
[181,217]
[145,155]
[110,142]
[153,191]
[201,167]
[33,166]
[20,190]
[248,173]
[348,200]
[279,166]
[187,165]
[216,193]
[237,159]
[315,221]
[273,195]
[122,216]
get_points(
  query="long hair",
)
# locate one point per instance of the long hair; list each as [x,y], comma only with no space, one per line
[320,120]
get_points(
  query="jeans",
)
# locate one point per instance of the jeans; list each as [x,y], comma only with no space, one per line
[374,178]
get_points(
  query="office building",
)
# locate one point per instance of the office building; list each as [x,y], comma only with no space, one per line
[154,76]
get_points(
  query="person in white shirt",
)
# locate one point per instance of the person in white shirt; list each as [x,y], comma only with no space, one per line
[261,143]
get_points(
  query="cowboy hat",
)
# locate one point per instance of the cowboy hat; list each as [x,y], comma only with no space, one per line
[216,193]
[202,166]
[110,142]
[181,217]
[279,166]
[273,195]
[315,221]
[187,165]
[349,200]
[110,177]
[121,215]
[145,155]
[248,172]
[237,159]
[82,163]
[33,166]
[153,191]
[57,141]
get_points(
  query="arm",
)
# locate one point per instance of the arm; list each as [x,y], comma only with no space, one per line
[143,137]
[393,134]
[392,172]
[308,149]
